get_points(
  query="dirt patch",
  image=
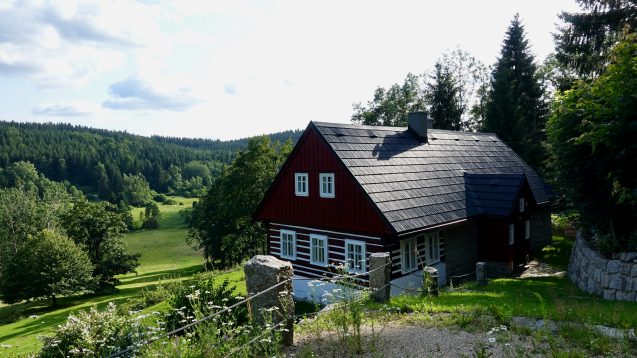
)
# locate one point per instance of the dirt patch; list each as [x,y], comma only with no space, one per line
[399,340]
[540,269]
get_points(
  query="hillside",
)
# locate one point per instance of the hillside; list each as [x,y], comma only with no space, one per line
[97,159]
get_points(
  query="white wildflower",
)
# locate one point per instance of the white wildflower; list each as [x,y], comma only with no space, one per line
[491,339]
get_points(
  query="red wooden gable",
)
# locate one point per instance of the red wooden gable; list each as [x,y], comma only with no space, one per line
[350,211]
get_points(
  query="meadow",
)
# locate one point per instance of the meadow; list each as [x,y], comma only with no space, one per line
[165,256]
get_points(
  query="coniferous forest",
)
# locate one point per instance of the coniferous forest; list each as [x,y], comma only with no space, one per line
[105,162]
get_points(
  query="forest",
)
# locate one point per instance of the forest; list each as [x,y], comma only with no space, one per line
[105,163]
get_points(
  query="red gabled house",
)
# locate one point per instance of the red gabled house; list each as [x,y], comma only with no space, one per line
[429,197]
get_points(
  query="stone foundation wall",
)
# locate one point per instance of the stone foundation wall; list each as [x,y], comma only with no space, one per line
[610,279]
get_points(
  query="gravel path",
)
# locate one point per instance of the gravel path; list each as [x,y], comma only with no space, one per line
[400,340]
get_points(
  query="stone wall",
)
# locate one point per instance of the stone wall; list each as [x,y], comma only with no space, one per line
[610,279]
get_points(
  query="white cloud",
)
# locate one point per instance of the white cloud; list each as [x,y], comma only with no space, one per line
[64,109]
[59,43]
[135,93]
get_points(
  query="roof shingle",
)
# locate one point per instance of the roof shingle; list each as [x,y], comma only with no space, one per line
[452,176]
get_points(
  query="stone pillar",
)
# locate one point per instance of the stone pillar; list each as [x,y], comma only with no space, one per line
[380,275]
[481,273]
[430,281]
[263,272]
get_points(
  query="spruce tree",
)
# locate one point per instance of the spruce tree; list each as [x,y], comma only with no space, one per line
[444,101]
[586,38]
[515,110]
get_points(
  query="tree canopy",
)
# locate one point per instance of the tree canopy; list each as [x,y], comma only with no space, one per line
[515,109]
[443,96]
[221,223]
[48,265]
[594,153]
[584,42]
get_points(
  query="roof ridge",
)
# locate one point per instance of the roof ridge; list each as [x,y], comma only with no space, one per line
[390,128]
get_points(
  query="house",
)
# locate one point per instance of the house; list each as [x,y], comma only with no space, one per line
[429,197]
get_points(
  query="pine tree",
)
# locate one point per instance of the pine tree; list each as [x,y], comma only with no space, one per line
[444,101]
[586,38]
[516,111]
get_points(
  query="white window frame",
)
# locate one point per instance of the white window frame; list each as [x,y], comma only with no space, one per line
[330,177]
[288,256]
[527,229]
[522,205]
[363,258]
[511,234]
[432,254]
[412,254]
[297,177]
[318,238]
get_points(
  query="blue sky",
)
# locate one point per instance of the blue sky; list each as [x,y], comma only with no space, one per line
[231,69]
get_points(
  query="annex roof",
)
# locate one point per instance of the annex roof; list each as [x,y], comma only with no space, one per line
[419,184]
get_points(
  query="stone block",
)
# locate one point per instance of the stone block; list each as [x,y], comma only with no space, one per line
[624,268]
[609,295]
[615,282]
[380,274]
[263,272]
[633,271]
[597,275]
[630,256]
[613,266]
[605,279]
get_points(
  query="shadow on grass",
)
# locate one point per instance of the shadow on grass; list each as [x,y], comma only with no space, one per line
[164,274]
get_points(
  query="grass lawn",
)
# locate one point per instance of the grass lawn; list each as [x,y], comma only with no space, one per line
[165,256]
[561,299]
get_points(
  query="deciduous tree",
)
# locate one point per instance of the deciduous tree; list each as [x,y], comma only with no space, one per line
[594,153]
[48,265]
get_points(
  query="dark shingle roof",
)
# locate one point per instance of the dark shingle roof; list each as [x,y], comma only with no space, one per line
[491,194]
[417,184]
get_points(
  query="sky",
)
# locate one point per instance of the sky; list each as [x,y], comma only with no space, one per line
[232,69]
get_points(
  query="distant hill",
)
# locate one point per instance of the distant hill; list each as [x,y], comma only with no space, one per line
[97,158]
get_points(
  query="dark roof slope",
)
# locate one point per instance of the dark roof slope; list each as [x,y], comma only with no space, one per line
[491,194]
[420,184]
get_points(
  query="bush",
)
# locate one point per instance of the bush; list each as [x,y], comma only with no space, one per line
[96,333]
[202,296]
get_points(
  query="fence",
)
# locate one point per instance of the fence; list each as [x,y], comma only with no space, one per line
[344,279]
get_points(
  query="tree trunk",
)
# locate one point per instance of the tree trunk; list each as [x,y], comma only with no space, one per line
[54,300]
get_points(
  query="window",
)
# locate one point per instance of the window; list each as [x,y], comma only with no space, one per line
[527,229]
[318,250]
[522,204]
[355,255]
[288,244]
[511,234]
[300,188]
[408,255]
[432,248]
[327,185]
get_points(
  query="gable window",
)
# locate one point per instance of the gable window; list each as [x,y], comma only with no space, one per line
[318,250]
[527,229]
[511,234]
[288,244]
[408,255]
[326,181]
[355,255]
[301,184]
[432,248]
[522,204]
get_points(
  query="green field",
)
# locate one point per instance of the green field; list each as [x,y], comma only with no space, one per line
[165,256]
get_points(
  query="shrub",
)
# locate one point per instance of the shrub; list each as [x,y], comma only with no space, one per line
[202,296]
[96,333]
